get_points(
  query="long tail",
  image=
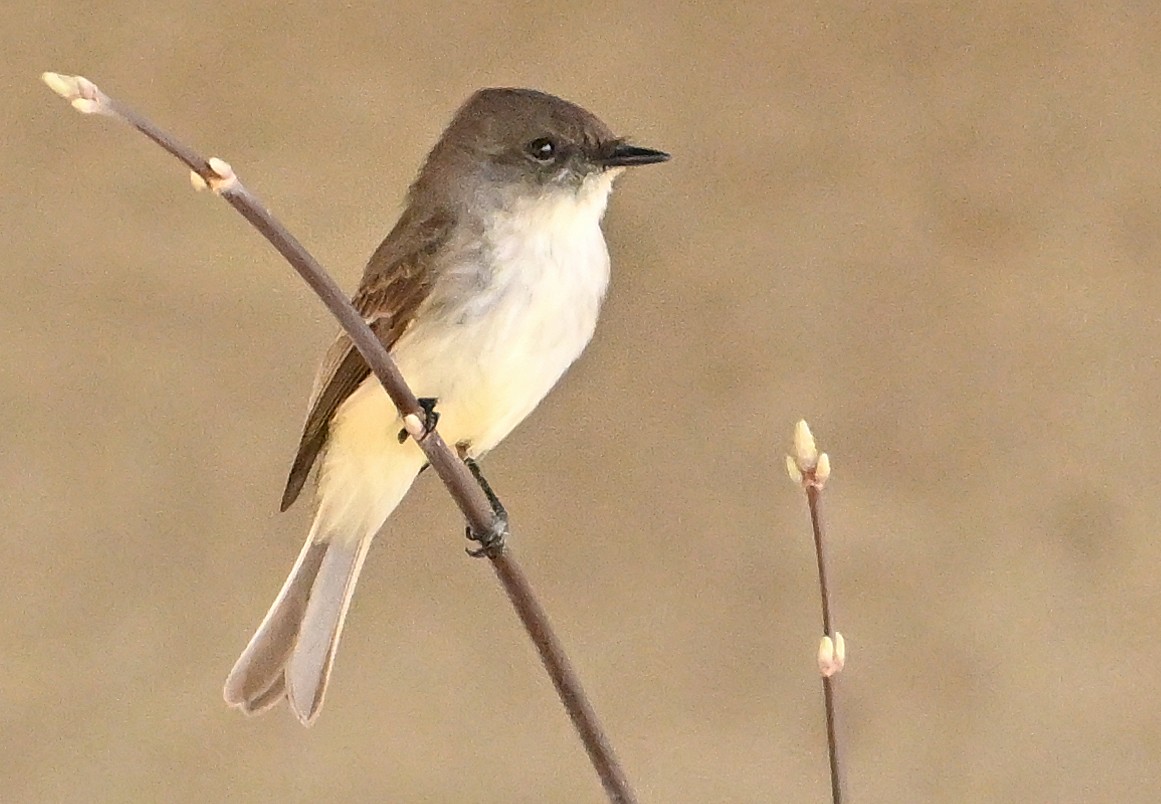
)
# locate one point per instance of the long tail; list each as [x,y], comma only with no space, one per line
[293,651]
[365,473]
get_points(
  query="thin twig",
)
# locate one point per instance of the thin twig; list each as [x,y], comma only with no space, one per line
[218,176]
[811,469]
[813,497]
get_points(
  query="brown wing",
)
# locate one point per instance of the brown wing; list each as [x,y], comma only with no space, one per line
[397,280]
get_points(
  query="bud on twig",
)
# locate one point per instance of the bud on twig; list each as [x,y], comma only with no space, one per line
[807,465]
[832,655]
[811,469]
[805,451]
[78,91]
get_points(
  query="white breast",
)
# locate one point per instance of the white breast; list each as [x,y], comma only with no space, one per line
[498,332]
[526,316]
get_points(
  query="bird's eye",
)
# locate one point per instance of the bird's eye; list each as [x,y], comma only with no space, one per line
[542,149]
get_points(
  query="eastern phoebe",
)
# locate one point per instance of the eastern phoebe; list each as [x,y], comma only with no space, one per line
[486,290]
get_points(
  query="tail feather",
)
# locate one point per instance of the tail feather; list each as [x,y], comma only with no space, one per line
[260,667]
[309,667]
[363,475]
[268,697]
[293,651]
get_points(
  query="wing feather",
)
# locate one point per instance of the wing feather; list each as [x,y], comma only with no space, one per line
[397,281]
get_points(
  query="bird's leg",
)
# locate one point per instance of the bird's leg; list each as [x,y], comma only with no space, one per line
[491,541]
[497,506]
[430,416]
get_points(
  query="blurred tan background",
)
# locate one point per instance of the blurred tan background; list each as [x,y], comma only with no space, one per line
[933,232]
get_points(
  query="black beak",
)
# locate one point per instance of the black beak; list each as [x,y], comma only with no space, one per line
[624,155]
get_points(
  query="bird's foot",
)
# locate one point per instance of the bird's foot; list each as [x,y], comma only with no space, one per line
[491,541]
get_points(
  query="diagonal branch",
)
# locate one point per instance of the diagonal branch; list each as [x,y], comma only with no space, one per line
[216,174]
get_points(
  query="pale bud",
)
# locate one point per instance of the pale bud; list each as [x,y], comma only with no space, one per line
[413,425]
[793,470]
[805,451]
[822,471]
[224,177]
[63,85]
[79,91]
[832,655]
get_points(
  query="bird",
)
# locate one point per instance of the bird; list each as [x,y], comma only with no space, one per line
[484,292]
